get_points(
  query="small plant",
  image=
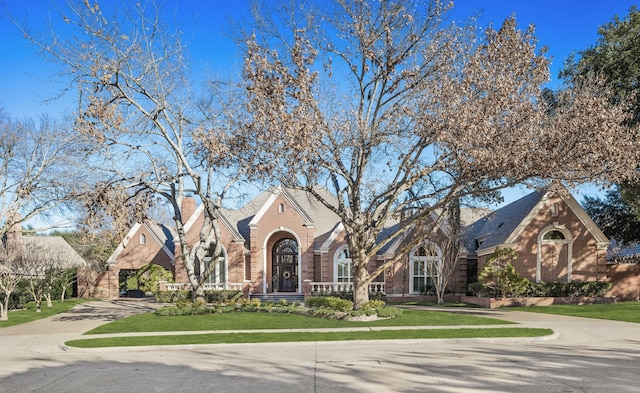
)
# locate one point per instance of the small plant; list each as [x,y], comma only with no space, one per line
[499,275]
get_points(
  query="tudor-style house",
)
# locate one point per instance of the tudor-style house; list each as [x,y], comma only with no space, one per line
[285,241]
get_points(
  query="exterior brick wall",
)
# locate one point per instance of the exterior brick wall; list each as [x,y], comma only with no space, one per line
[625,278]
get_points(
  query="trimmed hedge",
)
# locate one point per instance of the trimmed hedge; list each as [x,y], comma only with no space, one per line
[216,296]
[330,302]
[551,289]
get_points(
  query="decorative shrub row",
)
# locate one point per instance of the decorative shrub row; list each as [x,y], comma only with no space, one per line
[348,295]
[172,296]
[548,289]
[215,296]
[321,306]
[222,296]
[330,302]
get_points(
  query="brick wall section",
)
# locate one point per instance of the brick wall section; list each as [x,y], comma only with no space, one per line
[587,260]
[625,278]
[276,225]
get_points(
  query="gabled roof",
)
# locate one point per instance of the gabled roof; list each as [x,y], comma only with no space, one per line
[69,257]
[504,225]
[223,217]
[494,229]
[310,209]
[160,234]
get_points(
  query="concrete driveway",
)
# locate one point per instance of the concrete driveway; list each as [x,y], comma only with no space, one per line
[585,355]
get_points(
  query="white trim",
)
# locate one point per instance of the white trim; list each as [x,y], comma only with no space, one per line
[130,235]
[123,244]
[263,210]
[264,257]
[324,248]
[192,220]
[412,290]
[225,257]
[568,240]
[601,239]
[335,263]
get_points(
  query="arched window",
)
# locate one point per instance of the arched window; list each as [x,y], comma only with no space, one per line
[424,268]
[553,235]
[342,265]
[281,208]
[555,254]
[219,273]
[143,239]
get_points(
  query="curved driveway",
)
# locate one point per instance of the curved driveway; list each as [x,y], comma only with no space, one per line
[585,355]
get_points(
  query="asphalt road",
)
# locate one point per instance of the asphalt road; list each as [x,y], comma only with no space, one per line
[584,355]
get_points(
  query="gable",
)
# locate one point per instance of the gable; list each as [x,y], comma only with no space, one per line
[154,235]
[505,227]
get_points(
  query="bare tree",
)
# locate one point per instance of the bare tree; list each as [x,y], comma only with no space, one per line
[451,251]
[44,259]
[139,111]
[376,98]
[9,268]
[36,176]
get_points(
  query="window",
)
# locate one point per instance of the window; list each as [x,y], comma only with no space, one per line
[143,239]
[424,272]
[554,210]
[342,265]
[218,274]
[553,235]
[281,208]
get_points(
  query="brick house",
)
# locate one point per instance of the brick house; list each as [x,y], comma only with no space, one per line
[285,241]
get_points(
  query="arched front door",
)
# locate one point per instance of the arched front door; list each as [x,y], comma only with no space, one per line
[284,267]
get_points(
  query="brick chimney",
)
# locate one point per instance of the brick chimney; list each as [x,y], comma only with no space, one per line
[188,208]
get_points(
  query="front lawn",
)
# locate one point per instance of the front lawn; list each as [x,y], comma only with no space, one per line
[29,313]
[626,312]
[262,320]
[263,337]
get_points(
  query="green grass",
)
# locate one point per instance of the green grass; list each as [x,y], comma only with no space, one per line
[627,312]
[260,320]
[434,304]
[261,337]
[29,313]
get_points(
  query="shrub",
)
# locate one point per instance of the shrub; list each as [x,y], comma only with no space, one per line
[172,296]
[222,296]
[348,295]
[389,312]
[568,289]
[373,304]
[184,308]
[500,277]
[330,302]
[147,278]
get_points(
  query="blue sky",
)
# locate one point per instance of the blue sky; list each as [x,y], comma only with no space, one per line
[26,80]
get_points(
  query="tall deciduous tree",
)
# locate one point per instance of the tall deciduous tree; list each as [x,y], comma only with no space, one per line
[139,112]
[375,99]
[37,169]
[615,56]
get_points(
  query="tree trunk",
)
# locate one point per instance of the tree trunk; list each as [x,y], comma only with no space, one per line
[361,282]
[4,308]
[198,293]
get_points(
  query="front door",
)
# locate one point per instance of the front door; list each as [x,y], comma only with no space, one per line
[284,269]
